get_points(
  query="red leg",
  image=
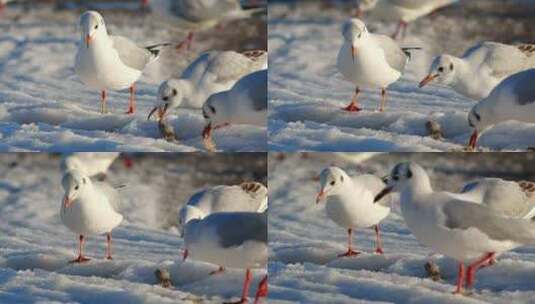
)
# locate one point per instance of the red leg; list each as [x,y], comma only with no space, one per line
[354,105]
[185,255]
[460,280]
[81,258]
[132,106]
[245,292]
[472,268]
[103,102]
[383,100]
[262,290]
[186,43]
[350,251]
[378,242]
[108,246]
[402,24]
[219,270]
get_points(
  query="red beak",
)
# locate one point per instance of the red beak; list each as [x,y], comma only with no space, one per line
[67,202]
[473,140]
[320,196]
[185,255]
[353,52]
[88,40]
[427,80]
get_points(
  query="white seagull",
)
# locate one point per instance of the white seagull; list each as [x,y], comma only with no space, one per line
[231,239]
[369,60]
[481,68]
[105,62]
[461,229]
[350,203]
[89,208]
[512,99]
[198,15]
[245,103]
[403,11]
[212,72]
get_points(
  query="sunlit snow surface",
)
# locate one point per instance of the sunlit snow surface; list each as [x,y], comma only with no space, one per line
[306,92]
[304,242]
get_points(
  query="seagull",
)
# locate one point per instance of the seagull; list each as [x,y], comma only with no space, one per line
[481,68]
[212,72]
[369,60]
[245,103]
[512,99]
[88,163]
[105,62]
[350,203]
[230,239]
[403,11]
[199,15]
[89,208]
[461,229]
[246,197]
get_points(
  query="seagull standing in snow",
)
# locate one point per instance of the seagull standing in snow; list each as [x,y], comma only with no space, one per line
[481,68]
[461,229]
[246,197]
[350,203]
[199,15]
[403,11]
[212,72]
[369,60]
[89,208]
[245,103]
[231,239]
[105,62]
[512,99]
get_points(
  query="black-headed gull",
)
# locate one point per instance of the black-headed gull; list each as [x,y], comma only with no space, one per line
[512,99]
[231,239]
[350,203]
[403,11]
[198,15]
[481,68]
[466,231]
[105,62]
[212,72]
[246,197]
[88,208]
[369,60]
[245,103]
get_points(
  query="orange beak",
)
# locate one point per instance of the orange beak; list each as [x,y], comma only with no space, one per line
[473,140]
[427,80]
[353,52]
[88,40]
[320,196]
[67,202]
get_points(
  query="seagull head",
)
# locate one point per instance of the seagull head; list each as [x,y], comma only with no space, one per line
[92,26]
[332,181]
[354,32]
[187,214]
[442,70]
[402,174]
[73,183]
[169,97]
[478,119]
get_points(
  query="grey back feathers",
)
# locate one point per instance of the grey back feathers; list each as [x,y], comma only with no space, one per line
[134,56]
[236,228]
[523,86]
[394,54]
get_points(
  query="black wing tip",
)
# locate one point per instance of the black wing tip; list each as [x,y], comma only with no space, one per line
[156,48]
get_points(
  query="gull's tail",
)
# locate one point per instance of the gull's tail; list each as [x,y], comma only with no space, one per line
[407,51]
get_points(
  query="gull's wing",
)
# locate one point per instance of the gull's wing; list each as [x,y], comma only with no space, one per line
[111,193]
[394,54]
[253,89]
[462,215]
[133,55]
[234,229]
[410,4]
[501,59]
[258,194]
[522,87]
[231,66]
[375,185]
[201,10]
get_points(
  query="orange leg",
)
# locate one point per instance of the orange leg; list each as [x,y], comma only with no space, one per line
[81,258]
[262,290]
[108,246]
[103,102]
[460,279]
[245,292]
[350,251]
[354,105]
[132,105]
[378,242]
[472,268]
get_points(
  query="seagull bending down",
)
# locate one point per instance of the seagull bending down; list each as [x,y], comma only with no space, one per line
[105,62]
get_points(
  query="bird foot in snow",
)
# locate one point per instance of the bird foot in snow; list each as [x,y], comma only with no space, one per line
[80,259]
[349,252]
[379,251]
[352,108]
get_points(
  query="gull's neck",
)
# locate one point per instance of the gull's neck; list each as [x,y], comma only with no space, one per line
[419,186]
[465,80]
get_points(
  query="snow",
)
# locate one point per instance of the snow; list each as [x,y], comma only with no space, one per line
[303,266]
[35,246]
[306,92]
[45,107]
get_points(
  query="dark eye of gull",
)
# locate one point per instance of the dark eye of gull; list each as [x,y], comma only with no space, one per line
[76,187]
[212,109]
[332,183]
[96,26]
[175,92]
[441,69]
[451,66]
[477,116]
[165,98]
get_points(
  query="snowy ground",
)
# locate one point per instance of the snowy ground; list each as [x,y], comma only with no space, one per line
[35,246]
[44,107]
[304,242]
[306,92]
